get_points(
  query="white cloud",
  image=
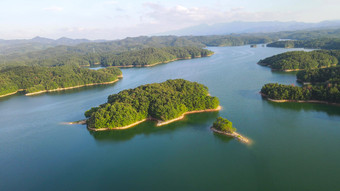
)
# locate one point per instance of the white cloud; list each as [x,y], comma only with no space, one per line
[54,8]
[111,2]
[183,16]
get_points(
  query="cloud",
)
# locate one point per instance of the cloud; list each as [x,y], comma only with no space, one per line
[183,16]
[54,9]
[111,2]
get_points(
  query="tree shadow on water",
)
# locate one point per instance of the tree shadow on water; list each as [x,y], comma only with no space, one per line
[223,138]
[330,110]
[197,121]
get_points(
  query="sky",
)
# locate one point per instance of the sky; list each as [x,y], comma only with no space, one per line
[114,19]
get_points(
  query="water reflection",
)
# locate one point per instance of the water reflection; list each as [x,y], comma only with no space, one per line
[223,138]
[11,96]
[330,110]
[198,122]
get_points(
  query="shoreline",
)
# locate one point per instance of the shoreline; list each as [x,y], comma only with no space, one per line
[61,89]
[238,136]
[19,90]
[164,62]
[290,70]
[9,94]
[118,128]
[73,87]
[159,122]
[298,101]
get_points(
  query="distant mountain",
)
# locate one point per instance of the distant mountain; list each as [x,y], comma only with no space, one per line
[69,41]
[37,43]
[251,27]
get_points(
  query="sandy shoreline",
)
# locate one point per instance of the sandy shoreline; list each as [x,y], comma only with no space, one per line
[290,70]
[159,123]
[19,90]
[238,136]
[299,101]
[61,89]
[73,87]
[9,94]
[118,128]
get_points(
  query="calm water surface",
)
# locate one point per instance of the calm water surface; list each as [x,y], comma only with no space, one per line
[296,146]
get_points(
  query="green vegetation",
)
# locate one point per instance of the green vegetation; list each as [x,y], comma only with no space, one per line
[300,60]
[325,75]
[323,43]
[138,57]
[322,92]
[38,78]
[150,56]
[225,125]
[103,53]
[306,34]
[47,52]
[161,101]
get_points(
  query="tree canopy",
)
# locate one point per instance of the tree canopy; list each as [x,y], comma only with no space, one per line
[223,124]
[320,43]
[38,78]
[301,60]
[325,75]
[150,56]
[161,101]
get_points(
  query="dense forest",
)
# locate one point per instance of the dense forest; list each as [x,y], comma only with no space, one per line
[143,56]
[8,47]
[150,56]
[323,43]
[300,60]
[64,51]
[325,75]
[38,78]
[162,101]
[224,125]
[306,34]
[321,92]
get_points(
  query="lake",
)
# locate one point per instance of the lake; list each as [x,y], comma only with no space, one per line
[295,145]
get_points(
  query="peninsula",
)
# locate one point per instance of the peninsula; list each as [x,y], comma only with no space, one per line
[319,86]
[225,127]
[164,102]
[39,79]
[301,60]
[147,57]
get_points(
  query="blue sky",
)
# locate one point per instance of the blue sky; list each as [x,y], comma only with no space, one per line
[112,19]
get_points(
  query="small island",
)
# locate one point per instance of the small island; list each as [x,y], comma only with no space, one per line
[225,127]
[163,102]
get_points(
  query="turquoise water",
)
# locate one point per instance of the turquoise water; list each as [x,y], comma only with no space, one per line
[296,146]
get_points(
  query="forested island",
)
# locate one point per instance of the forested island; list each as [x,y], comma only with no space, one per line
[321,86]
[320,43]
[40,79]
[164,102]
[225,127]
[301,60]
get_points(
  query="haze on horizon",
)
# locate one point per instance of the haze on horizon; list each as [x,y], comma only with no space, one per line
[113,19]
